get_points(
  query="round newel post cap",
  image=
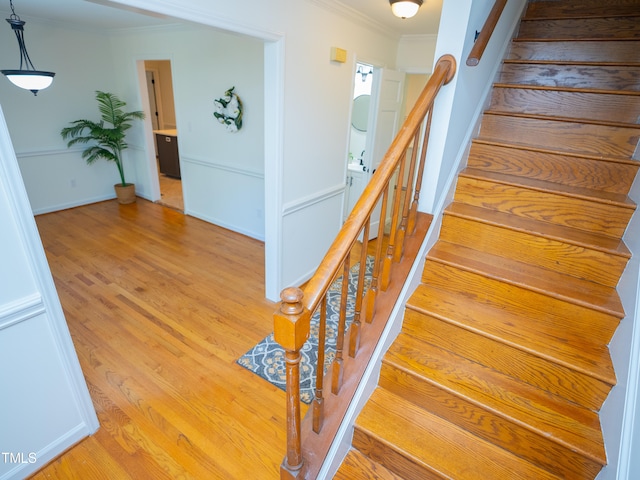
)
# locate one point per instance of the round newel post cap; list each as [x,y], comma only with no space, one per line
[291,301]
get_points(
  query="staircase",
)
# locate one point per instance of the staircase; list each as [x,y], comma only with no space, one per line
[502,364]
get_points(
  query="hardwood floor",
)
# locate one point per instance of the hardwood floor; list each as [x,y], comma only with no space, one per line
[160,306]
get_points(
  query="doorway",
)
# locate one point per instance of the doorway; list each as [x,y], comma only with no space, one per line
[358,165]
[376,117]
[165,134]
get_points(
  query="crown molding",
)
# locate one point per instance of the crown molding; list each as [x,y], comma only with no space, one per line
[356,16]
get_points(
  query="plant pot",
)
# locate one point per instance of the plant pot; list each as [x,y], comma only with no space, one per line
[125,193]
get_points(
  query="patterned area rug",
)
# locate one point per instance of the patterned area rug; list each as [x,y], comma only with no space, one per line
[266,359]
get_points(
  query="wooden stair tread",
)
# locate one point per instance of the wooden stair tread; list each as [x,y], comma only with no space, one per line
[612,108]
[625,93]
[554,74]
[548,282]
[561,118]
[591,173]
[562,136]
[357,466]
[539,313]
[457,454]
[532,148]
[575,427]
[598,27]
[605,213]
[593,195]
[490,426]
[584,52]
[506,237]
[536,227]
[530,368]
[584,9]
[511,327]
[553,118]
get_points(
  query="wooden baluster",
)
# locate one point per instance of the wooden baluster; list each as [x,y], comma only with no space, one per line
[318,401]
[338,370]
[291,330]
[293,462]
[413,213]
[385,277]
[370,300]
[354,336]
[406,202]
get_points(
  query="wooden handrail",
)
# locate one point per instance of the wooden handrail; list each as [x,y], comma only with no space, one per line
[293,319]
[326,272]
[485,34]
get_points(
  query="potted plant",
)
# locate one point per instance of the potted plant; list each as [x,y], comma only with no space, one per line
[107,138]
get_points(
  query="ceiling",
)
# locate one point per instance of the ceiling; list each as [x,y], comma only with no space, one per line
[94,15]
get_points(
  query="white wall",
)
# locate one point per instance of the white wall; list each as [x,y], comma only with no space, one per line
[620,414]
[44,406]
[222,173]
[416,53]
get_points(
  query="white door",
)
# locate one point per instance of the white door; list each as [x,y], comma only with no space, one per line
[388,91]
[386,120]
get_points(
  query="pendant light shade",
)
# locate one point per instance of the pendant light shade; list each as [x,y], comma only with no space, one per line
[28,77]
[405,8]
[33,80]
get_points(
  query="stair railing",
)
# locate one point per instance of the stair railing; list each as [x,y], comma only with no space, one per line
[395,188]
[485,34]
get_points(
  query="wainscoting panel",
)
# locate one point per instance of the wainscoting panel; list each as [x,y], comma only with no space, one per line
[59,179]
[309,225]
[223,195]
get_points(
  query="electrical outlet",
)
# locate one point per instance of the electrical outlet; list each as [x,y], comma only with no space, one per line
[72,182]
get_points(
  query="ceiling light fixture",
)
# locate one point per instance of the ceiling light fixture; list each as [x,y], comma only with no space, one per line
[405,8]
[28,77]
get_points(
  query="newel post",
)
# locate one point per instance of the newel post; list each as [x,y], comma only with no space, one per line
[291,331]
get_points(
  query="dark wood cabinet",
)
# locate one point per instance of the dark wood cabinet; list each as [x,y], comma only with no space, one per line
[168,157]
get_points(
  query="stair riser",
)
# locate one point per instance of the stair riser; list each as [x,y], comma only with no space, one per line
[619,52]
[357,466]
[487,320]
[589,106]
[549,207]
[555,9]
[559,29]
[536,448]
[564,137]
[608,176]
[534,370]
[554,254]
[390,458]
[560,320]
[569,289]
[599,77]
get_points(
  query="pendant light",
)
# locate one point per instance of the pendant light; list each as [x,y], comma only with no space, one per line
[405,8]
[28,77]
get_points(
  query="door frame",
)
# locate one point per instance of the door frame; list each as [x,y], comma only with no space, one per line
[274,75]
